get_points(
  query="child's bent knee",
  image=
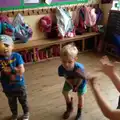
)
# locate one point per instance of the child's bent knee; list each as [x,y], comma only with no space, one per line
[65,93]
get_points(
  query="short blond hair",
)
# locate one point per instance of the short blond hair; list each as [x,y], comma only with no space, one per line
[69,50]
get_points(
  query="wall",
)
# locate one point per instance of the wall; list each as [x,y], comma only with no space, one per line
[106,8]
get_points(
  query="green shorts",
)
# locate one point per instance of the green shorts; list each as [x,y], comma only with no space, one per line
[80,91]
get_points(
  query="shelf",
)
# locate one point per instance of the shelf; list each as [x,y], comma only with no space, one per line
[43,60]
[45,42]
[48,59]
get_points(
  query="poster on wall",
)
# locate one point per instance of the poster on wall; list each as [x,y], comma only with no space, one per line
[31,1]
[69,0]
[61,0]
[115,5]
[106,1]
[48,2]
[8,3]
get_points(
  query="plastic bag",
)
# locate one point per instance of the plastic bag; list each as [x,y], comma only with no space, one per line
[22,30]
[64,23]
[19,19]
[23,33]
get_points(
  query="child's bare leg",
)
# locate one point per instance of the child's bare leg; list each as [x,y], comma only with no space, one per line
[81,93]
[69,103]
[66,96]
[80,101]
[80,106]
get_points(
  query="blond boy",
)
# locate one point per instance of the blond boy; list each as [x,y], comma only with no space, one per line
[73,72]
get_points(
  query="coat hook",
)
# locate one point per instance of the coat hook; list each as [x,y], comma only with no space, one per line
[10,14]
[26,12]
[30,12]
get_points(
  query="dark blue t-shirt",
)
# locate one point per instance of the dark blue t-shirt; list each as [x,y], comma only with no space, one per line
[70,74]
[14,61]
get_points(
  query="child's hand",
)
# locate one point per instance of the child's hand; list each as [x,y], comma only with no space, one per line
[70,82]
[75,88]
[7,70]
[12,77]
[15,78]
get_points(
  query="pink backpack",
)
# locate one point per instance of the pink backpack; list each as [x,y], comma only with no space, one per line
[4,18]
[78,20]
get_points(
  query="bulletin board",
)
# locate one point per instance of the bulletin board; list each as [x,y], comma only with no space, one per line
[24,4]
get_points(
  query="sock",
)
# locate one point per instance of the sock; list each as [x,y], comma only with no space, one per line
[80,106]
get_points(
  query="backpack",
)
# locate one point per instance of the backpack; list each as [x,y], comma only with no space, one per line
[78,19]
[8,29]
[4,18]
[6,26]
[48,26]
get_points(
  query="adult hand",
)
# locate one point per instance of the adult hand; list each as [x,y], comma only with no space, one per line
[107,66]
[92,81]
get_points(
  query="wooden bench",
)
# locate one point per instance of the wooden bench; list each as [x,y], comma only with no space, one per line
[45,42]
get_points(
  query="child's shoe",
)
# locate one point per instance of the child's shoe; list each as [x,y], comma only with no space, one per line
[67,113]
[25,116]
[78,116]
[14,117]
[118,107]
